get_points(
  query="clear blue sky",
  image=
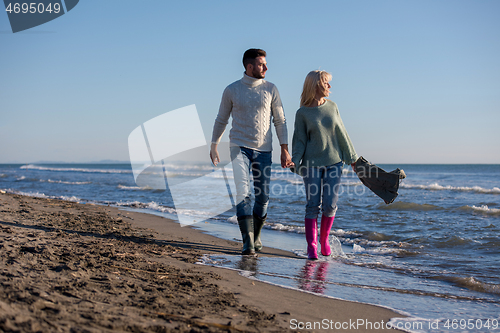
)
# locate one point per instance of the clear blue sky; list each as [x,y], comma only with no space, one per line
[415,81]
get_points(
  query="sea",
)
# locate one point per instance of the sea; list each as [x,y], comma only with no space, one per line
[432,255]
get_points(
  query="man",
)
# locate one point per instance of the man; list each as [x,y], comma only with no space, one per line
[253,104]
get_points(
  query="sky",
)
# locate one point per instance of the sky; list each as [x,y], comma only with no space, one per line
[415,81]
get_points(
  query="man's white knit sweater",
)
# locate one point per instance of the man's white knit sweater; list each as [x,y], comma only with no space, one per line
[253,104]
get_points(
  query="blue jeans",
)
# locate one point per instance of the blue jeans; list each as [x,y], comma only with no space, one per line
[243,160]
[322,189]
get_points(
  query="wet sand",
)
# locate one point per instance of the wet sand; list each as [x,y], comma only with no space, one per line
[69,267]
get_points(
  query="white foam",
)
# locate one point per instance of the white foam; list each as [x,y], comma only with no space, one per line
[66,198]
[484,209]
[287,228]
[52,181]
[342,233]
[185,167]
[336,247]
[150,205]
[437,187]
[412,324]
[163,209]
[294,181]
[382,250]
[42,195]
[65,182]
[28,194]
[134,188]
[351,183]
[41,168]
[358,249]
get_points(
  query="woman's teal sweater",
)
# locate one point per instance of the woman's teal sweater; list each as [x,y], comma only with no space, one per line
[320,138]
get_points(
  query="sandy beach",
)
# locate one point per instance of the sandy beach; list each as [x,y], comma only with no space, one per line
[69,267]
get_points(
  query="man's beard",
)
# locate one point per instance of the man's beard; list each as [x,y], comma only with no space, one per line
[258,75]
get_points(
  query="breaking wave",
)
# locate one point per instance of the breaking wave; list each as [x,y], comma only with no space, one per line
[401,205]
[65,182]
[437,187]
[42,195]
[483,209]
[88,170]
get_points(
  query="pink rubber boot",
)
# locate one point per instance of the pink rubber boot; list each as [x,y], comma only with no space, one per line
[326,226]
[311,226]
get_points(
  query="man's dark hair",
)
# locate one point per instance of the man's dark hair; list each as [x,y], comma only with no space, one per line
[250,55]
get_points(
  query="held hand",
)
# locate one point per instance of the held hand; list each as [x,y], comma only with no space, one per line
[286,160]
[214,154]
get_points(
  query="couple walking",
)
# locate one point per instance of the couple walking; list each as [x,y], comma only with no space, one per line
[320,146]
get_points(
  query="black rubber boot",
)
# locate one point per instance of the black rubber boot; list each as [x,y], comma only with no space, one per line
[247,234]
[258,223]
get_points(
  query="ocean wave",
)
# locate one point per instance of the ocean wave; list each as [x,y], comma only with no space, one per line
[282,278]
[401,205]
[186,167]
[42,168]
[131,204]
[65,182]
[483,209]
[3,175]
[411,206]
[437,187]
[351,183]
[150,205]
[292,181]
[23,178]
[347,237]
[154,206]
[171,174]
[379,250]
[453,241]
[300,182]
[283,227]
[43,195]
[344,233]
[134,188]
[275,226]
[476,285]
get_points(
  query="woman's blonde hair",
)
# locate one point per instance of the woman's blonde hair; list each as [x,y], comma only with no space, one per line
[313,80]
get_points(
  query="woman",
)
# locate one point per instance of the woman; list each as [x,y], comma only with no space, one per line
[320,146]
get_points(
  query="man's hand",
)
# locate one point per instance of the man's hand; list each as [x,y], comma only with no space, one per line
[353,165]
[286,160]
[214,154]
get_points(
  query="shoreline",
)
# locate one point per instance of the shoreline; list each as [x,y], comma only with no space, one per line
[98,268]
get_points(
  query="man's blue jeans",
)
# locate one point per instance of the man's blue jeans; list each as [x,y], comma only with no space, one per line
[322,189]
[245,160]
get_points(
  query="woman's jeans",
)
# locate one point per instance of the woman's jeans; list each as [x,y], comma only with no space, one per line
[322,189]
[243,160]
